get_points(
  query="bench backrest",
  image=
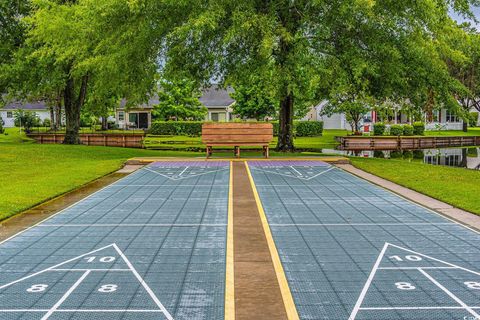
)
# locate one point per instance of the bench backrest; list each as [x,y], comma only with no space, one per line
[232,133]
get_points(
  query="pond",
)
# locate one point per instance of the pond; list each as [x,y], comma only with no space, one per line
[468,157]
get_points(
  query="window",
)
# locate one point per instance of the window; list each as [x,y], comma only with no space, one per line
[9,114]
[451,117]
[121,115]
[214,116]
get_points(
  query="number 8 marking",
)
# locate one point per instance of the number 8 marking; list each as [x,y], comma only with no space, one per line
[37,288]
[404,286]
[108,288]
[472,285]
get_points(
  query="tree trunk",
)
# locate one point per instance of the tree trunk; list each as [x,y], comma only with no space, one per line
[465,125]
[104,124]
[285,126]
[52,118]
[72,115]
[58,113]
[72,110]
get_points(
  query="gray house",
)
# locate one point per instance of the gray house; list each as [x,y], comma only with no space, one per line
[218,102]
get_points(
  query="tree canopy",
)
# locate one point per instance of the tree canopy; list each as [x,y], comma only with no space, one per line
[300,51]
[179,100]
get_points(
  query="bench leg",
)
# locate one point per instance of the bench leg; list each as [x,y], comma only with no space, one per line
[209,151]
[236,151]
[266,151]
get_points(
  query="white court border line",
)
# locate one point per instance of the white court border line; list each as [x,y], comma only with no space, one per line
[330,167]
[186,177]
[137,225]
[460,223]
[366,287]
[131,268]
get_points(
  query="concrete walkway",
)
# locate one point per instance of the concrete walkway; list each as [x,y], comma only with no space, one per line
[443,208]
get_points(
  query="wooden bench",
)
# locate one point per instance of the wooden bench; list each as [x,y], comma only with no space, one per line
[236,135]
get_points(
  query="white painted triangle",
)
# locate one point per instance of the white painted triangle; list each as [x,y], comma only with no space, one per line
[114,252]
[293,173]
[409,257]
[183,175]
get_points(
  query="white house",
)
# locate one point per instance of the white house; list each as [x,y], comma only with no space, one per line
[138,117]
[442,119]
[7,112]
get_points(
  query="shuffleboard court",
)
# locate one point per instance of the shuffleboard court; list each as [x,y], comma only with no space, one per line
[150,246]
[352,250]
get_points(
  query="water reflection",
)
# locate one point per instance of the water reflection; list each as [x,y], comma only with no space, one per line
[452,157]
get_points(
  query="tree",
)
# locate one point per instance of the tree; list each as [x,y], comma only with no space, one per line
[253,101]
[467,72]
[354,107]
[179,100]
[26,119]
[294,45]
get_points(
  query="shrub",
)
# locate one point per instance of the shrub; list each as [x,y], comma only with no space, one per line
[472,119]
[308,128]
[2,130]
[177,128]
[407,155]
[46,122]
[26,119]
[275,128]
[379,129]
[419,128]
[418,154]
[396,130]
[407,130]
[396,155]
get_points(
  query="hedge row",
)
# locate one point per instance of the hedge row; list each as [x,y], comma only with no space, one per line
[418,129]
[176,128]
[194,128]
[303,128]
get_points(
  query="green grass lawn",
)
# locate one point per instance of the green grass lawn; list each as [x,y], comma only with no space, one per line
[470,132]
[456,186]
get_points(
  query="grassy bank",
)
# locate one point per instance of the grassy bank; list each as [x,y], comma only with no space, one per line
[456,186]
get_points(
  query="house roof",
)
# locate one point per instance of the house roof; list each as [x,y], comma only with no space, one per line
[212,97]
[16,105]
[216,97]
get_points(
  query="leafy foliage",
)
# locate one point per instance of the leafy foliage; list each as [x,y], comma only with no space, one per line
[418,128]
[396,130]
[254,101]
[308,128]
[176,128]
[379,128]
[408,130]
[26,119]
[179,100]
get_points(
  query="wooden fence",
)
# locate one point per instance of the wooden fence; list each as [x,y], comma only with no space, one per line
[127,140]
[394,143]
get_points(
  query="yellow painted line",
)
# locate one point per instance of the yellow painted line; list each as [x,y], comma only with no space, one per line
[324,159]
[230,274]
[290,308]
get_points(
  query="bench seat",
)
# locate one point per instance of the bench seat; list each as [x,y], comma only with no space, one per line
[237,135]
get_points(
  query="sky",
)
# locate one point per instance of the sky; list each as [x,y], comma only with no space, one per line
[476,12]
